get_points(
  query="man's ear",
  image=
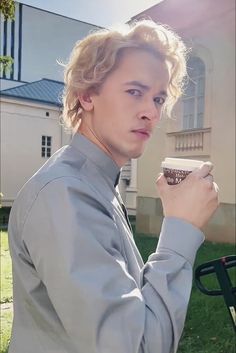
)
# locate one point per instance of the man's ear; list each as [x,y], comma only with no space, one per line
[86,101]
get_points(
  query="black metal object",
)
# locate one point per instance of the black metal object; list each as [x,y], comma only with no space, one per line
[220,267]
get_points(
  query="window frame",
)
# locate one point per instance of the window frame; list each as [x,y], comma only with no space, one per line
[46,146]
[196,96]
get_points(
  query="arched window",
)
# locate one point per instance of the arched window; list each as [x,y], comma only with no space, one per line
[194,95]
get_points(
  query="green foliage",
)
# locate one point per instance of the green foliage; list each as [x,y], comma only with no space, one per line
[7,8]
[4,216]
[6,63]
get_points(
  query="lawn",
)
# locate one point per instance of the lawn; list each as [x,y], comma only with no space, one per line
[6,293]
[208,328]
[6,276]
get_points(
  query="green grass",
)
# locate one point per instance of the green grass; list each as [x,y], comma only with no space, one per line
[6,322]
[6,293]
[6,275]
[208,328]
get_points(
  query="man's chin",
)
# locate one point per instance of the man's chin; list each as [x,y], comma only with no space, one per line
[136,154]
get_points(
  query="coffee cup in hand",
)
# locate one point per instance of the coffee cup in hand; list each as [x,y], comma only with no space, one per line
[176,169]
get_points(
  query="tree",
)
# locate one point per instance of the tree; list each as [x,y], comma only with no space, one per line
[7,11]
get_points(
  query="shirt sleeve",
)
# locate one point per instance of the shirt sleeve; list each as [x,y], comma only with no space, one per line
[75,246]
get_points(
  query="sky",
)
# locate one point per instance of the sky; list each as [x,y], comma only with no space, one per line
[102,13]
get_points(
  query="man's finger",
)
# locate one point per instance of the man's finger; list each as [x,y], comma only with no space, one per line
[210,178]
[161,182]
[204,170]
[159,176]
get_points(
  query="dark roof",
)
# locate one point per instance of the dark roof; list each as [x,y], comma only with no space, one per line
[43,91]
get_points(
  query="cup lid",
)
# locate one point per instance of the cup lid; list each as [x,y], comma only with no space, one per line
[181,164]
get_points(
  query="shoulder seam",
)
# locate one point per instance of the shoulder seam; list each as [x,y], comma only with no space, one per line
[53,180]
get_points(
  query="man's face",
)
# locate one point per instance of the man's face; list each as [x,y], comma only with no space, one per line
[128,106]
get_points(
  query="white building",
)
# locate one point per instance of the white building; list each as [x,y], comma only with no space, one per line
[30,97]
[30,132]
[203,123]
[30,106]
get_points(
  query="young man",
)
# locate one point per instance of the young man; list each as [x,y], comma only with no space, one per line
[80,285]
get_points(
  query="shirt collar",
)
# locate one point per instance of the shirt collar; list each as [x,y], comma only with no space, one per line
[98,156]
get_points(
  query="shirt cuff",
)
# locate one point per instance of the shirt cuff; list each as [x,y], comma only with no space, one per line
[181,237]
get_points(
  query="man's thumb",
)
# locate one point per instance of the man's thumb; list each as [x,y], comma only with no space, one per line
[161,183]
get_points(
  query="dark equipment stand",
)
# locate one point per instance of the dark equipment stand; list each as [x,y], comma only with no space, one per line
[220,267]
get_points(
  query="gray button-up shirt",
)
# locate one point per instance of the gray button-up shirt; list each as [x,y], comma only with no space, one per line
[80,285]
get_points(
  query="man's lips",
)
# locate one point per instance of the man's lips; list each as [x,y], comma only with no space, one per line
[145,132]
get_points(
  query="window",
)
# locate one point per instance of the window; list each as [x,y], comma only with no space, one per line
[126,172]
[46,146]
[194,95]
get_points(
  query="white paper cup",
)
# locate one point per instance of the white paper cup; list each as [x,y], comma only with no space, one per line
[176,169]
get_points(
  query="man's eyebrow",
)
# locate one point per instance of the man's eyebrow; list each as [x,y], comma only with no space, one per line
[138,84]
[144,87]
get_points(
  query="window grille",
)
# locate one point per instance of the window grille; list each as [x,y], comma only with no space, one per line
[46,146]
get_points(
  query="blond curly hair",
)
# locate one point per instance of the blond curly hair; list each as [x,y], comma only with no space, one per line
[94,57]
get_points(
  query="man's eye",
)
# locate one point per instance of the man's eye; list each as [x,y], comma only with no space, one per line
[134,92]
[159,100]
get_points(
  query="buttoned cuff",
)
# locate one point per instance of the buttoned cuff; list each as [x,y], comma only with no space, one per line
[181,237]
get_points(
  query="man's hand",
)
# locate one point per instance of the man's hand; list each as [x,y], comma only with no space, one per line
[194,200]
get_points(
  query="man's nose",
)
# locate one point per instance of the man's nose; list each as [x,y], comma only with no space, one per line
[151,112]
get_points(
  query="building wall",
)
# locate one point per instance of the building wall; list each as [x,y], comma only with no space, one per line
[22,127]
[37,39]
[214,42]
[48,43]
[221,227]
